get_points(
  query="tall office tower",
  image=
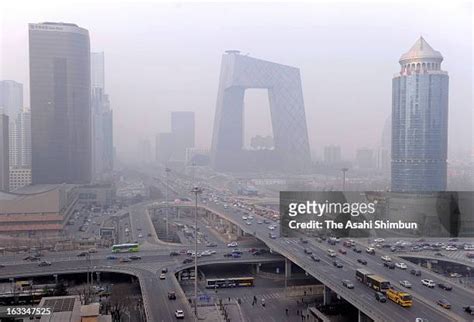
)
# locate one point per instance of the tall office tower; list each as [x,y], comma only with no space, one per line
[420,121]
[332,154]
[20,140]
[11,98]
[102,118]
[4,155]
[182,128]
[285,96]
[60,103]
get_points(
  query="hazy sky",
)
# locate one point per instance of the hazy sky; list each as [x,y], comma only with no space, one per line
[162,57]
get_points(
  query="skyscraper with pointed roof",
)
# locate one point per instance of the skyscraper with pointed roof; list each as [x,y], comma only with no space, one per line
[420,121]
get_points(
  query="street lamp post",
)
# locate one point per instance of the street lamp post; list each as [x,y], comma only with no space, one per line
[196,191]
[167,170]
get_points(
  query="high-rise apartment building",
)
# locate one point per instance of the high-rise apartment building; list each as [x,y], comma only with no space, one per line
[11,98]
[20,140]
[4,155]
[60,103]
[420,121]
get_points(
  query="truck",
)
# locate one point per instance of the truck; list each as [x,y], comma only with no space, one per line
[400,297]
[371,280]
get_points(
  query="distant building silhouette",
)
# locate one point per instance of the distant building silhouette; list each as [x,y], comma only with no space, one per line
[420,121]
[101,118]
[4,156]
[182,129]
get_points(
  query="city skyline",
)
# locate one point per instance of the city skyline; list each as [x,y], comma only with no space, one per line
[145,115]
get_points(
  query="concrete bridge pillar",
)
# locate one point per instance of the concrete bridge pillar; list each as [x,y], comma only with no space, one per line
[257,268]
[428,264]
[287,268]
[327,295]
[362,317]
[98,277]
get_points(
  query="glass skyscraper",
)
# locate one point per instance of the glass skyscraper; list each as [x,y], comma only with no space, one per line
[60,103]
[420,121]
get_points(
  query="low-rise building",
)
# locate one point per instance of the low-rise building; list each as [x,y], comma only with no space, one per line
[36,211]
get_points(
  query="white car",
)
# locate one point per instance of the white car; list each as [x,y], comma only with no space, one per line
[386,258]
[406,284]
[233,244]
[451,248]
[428,283]
[379,240]
[179,314]
[271,227]
[244,217]
[401,265]
[250,217]
[162,276]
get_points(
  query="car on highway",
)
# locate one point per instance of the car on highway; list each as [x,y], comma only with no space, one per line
[124,260]
[428,283]
[236,255]
[2,266]
[456,275]
[162,276]
[348,284]
[232,244]
[401,265]
[445,287]
[342,251]
[174,254]
[338,264]
[386,258]
[389,265]
[415,272]
[44,263]
[260,252]
[379,240]
[244,217]
[134,257]
[444,303]
[451,248]
[357,250]
[271,227]
[111,257]
[259,222]
[82,254]
[171,295]
[179,314]
[315,258]
[405,283]
[361,261]
[307,251]
[211,245]
[379,296]
[187,260]
[469,309]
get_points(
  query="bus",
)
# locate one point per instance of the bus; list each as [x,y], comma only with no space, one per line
[400,297]
[229,282]
[124,248]
[373,281]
